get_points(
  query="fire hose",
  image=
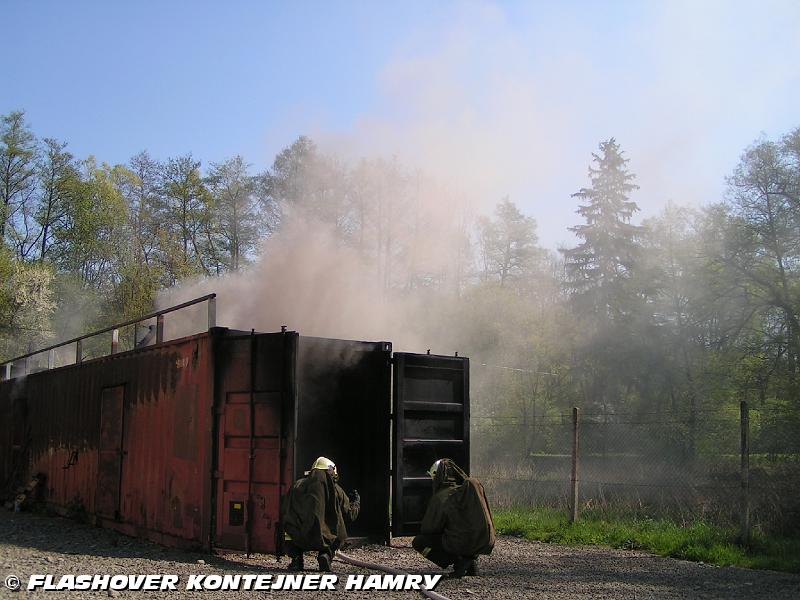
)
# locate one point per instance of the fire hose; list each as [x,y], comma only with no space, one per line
[375,567]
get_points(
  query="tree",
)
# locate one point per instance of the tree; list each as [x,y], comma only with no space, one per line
[139,267]
[89,238]
[6,301]
[385,210]
[17,168]
[147,207]
[237,211]
[58,178]
[673,273]
[507,242]
[26,299]
[599,267]
[286,180]
[600,278]
[762,237]
[303,178]
[188,218]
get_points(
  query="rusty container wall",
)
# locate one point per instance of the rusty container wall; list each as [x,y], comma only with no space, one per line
[127,438]
[52,430]
[255,398]
[343,403]
[195,442]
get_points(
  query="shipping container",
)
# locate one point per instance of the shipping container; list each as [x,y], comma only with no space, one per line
[194,442]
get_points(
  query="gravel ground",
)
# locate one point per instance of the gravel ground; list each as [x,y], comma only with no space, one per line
[517,568]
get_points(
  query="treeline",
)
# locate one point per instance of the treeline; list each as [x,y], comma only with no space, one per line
[85,243]
[690,310]
[112,236]
[674,321]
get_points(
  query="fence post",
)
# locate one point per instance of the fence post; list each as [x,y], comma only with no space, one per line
[159,329]
[79,351]
[574,480]
[745,474]
[28,360]
[114,341]
[51,359]
[212,313]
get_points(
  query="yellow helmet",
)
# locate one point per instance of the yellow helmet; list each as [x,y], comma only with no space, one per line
[434,468]
[326,464]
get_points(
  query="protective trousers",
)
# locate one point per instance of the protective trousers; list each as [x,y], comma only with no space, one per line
[430,546]
[293,550]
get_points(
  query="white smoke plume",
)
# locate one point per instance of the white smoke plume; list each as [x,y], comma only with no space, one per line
[308,280]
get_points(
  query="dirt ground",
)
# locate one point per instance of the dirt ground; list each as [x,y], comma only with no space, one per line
[517,569]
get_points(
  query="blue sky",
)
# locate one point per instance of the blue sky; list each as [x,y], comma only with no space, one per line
[494,98]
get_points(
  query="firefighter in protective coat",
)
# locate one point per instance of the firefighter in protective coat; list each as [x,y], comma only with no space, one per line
[457,525]
[313,515]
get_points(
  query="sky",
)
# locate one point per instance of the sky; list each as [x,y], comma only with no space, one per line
[492,98]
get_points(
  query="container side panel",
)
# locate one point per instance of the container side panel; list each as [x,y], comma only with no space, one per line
[63,436]
[150,408]
[165,425]
[109,464]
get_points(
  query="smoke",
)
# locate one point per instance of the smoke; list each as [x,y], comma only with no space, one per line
[512,100]
[310,281]
[492,100]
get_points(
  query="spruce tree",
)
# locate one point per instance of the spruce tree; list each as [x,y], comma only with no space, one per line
[600,266]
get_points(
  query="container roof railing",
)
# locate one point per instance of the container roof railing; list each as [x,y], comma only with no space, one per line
[6,366]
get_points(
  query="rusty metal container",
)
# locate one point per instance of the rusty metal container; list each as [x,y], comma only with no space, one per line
[193,442]
[123,438]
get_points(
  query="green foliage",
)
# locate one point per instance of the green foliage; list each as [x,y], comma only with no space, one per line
[189,213]
[696,540]
[691,312]
[26,305]
[6,296]
[507,244]
[87,238]
[17,179]
[239,223]
[59,180]
[599,267]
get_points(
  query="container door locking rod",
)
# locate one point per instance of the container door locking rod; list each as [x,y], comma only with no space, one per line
[248,524]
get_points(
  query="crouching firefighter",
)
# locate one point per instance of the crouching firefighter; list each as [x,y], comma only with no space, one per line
[457,525]
[313,515]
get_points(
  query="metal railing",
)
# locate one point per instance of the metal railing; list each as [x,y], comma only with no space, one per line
[6,367]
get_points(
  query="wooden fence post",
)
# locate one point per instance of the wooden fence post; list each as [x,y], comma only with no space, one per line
[745,473]
[212,312]
[574,480]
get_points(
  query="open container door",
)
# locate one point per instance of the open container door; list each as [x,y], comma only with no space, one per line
[431,421]
[342,413]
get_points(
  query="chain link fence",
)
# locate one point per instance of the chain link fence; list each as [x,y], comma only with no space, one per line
[735,465]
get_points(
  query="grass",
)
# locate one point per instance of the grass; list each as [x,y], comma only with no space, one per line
[696,541]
